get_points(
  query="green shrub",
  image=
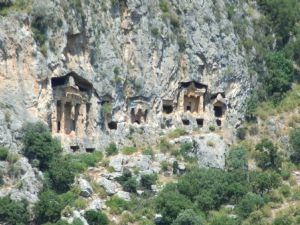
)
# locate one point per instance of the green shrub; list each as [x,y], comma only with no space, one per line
[40,23]
[283,220]
[77,221]
[181,43]
[279,77]
[117,205]
[241,133]
[237,158]
[177,133]
[294,140]
[164,165]
[50,205]
[61,174]
[170,204]
[189,217]
[127,181]
[96,218]
[175,167]
[185,149]
[248,204]
[130,185]
[39,144]
[164,6]
[285,190]
[13,212]
[165,146]
[3,153]
[212,128]
[174,20]
[148,151]
[129,150]
[147,180]
[80,162]
[268,156]
[107,108]
[155,31]
[111,149]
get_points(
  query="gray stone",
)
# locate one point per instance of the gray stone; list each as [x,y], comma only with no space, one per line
[96,204]
[181,167]
[30,185]
[117,162]
[109,186]
[123,195]
[86,189]
[210,149]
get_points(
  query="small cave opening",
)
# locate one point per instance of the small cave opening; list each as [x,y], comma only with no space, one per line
[58,81]
[200,122]
[168,109]
[112,125]
[90,150]
[74,148]
[185,122]
[219,122]
[218,111]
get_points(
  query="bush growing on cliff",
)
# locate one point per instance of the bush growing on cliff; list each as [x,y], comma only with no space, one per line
[294,139]
[61,174]
[13,212]
[267,156]
[96,218]
[3,153]
[39,144]
[112,149]
[280,76]
[237,158]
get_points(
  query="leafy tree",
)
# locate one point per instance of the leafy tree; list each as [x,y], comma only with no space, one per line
[39,144]
[264,182]
[279,77]
[170,203]
[96,218]
[268,157]
[61,174]
[282,16]
[51,204]
[188,217]
[241,133]
[237,158]
[147,180]
[294,140]
[130,185]
[13,212]
[248,204]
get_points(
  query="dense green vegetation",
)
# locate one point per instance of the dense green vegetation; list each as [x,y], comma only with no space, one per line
[279,51]
[12,212]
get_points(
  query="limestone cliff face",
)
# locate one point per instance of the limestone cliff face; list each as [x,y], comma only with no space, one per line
[135,65]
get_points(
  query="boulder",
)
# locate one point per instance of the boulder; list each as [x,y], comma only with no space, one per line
[96,204]
[109,186]
[86,189]
[123,195]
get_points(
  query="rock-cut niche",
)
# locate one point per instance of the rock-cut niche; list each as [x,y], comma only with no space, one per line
[71,104]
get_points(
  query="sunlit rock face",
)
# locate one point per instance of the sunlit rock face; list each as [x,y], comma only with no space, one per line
[121,73]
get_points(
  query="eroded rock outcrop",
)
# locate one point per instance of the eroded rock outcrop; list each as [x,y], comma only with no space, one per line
[129,66]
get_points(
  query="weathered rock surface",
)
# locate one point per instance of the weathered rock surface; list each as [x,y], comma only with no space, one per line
[210,149]
[86,189]
[109,186]
[132,56]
